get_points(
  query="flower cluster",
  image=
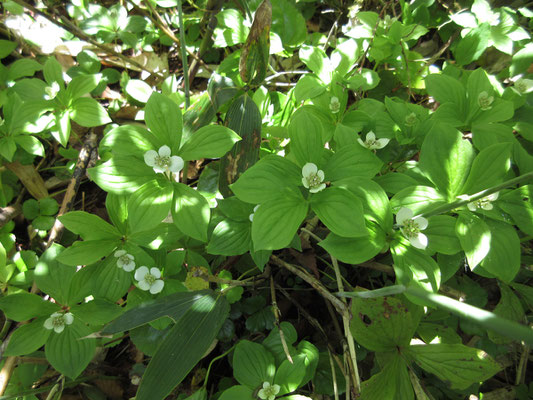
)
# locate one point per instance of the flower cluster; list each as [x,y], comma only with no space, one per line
[269,391]
[58,320]
[335,105]
[411,227]
[162,161]
[372,143]
[484,203]
[125,260]
[148,279]
[313,178]
[485,101]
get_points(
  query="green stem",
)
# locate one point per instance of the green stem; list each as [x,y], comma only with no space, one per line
[468,199]
[184,57]
[216,359]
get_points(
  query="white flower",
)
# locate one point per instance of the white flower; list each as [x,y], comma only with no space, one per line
[51,91]
[411,227]
[251,216]
[372,143]
[57,321]
[485,203]
[269,391]
[524,85]
[125,260]
[334,105]
[485,101]
[149,279]
[313,178]
[162,161]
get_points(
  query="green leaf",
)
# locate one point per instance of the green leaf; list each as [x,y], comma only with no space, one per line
[441,235]
[128,140]
[164,119]
[382,324]
[30,209]
[190,211]
[149,205]
[230,238]
[121,174]
[82,84]
[266,179]
[89,226]
[489,168]
[28,338]
[518,204]
[305,132]
[274,345]
[87,252]
[391,383]
[48,206]
[317,61]
[522,60]
[455,363]
[508,307]
[117,210]
[88,112]
[30,144]
[237,393]
[308,87]
[340,210]
[503,257]
[253,364]
[97,311]
[69,352]
[411,266]
[276,221]
[53,72]
[352,161]
[472,46]
[446,89]
[6,47]
[23,67]
[25,306]
[355,250]
[417,198]
[288,23]
[8,147]
[184,346]
[445,158]
[138,90]
[291,376]
[211,141]
[62,132]
[53,277]
[474,236]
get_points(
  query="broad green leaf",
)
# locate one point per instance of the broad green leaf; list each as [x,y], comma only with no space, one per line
[25,306]
[489,168]
[88,112]
[391,383]
[508,307]
[97,311]
[87,252]
[472,46]
[274,345]
[62,132]
[117,210]
[149,205]
[28,338]
[518,204]
[418,198]
[445,158]
[253,364]
[455,363]
[53,72]
[8,147]
[305,132]
[211,141]
[138,90]
[89,226]
[446,89]
[308,87]
[184,346]
[501,110]
[288,23]
[382,324]
[474,236]
[6,47]
[503,257]
[82,84]
[23,67]
[317,61]
[237,393]
[128,141]
[121,174]
[163,118]
[412,266]
[291,376]
[53,277]
[230,238]
[266,179]
[340,210]
[276,221]
[190,211]
[441,235]
[522,60]
[355,250]
[69,352]
[352,161]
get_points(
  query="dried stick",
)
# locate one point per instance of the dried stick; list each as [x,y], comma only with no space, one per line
[8,213]
[275,310]
[79,172]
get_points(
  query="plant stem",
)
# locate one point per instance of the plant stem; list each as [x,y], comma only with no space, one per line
[468,199]
[184,57]
[216,359]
